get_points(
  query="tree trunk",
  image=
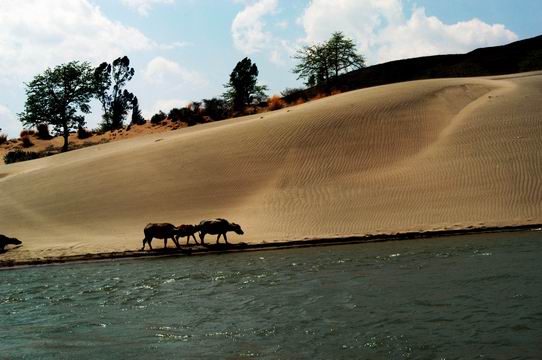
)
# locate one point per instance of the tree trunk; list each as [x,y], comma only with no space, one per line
[66,135]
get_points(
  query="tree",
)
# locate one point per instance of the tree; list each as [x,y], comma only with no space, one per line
[321,63]
[58,96]
[116,101]
[242,89]
[137,118]
[314,64]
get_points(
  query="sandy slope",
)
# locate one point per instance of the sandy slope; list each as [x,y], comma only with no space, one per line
[422,155]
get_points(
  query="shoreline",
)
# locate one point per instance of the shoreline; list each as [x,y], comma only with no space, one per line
[243,247]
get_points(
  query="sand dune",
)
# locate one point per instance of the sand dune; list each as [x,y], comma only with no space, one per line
[424,155]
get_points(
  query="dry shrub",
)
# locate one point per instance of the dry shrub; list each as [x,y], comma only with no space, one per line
[26,133]
[275,103]
[319,96]
[336,92]
[26,141]
[3,138]
[299,101]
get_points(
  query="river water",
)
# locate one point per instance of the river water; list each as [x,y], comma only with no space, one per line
[471,297]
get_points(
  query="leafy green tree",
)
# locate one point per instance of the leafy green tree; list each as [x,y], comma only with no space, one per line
[321,63]
[58,96]
[242,89]
[314,64]
[111,80]
[343,56]
[137,118]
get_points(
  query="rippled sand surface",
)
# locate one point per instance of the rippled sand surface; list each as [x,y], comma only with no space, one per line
[423,155]
[456,298]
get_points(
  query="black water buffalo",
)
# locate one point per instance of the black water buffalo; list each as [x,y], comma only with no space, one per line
[188,231]
[4,240]
[217,226]
[160,231]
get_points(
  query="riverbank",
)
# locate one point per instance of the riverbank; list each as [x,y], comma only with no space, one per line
[222,248]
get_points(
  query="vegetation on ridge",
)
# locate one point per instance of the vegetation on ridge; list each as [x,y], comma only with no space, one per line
[59,97]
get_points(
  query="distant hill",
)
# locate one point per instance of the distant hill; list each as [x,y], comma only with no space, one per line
[519,56]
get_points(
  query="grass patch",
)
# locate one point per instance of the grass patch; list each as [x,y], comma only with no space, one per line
[21,155]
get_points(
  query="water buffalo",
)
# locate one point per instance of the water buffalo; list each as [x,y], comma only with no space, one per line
[4,240]
[188,231]
[217,226]
[160,231]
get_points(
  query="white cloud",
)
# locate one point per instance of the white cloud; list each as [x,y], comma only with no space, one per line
[357,18]
[427,35]
[249,33]
[173,45]
[37,34]
[161,71]
[383,33]
[248,27]
[143,7]
[165,105]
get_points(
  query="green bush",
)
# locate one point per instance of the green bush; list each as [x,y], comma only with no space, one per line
[185,115]
[216,109]
[20,155]
[158,118]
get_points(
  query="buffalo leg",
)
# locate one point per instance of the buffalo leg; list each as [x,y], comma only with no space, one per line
[195,240]
[148,241]
[176,241]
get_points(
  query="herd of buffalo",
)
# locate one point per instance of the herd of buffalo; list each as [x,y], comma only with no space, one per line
[167,231]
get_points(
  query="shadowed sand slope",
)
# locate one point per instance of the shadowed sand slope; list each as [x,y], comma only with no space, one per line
[422,155]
